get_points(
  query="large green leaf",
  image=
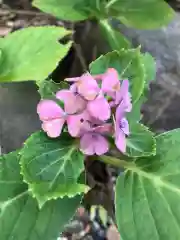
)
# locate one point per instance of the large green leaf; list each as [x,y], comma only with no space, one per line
[20,217]
[148,194]
[140,142]
[32,53]
[140,13]
[54,163]
[129,65]
[114,38]
[64,9]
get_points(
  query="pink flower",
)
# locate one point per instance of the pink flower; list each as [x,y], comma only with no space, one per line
[53,117]
[87,87]
[118,91]
[87,112]
[93,142]
[99,108]
[110,82]
[73,103]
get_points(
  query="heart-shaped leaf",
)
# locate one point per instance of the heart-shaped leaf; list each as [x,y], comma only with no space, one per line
[20,217]
[148,193]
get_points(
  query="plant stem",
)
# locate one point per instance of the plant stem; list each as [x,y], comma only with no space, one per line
[116,162]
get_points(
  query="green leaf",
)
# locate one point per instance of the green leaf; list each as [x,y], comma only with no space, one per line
[148,193]
[150,67]
[142,14]
[62,190]
[32,53]
[51,162]
[150,73]
[115,39]
[64,9]
[48,88]
[20,217]
[140,142]
[129,65]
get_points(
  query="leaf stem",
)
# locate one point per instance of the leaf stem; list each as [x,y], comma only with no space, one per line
[116,162]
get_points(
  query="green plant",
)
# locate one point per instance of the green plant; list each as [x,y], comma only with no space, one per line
[43,183]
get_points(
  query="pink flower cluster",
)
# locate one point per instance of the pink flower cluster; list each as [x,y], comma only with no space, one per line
[94,108]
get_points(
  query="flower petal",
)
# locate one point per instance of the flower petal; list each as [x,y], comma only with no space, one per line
[110,81]
[99,108]
[88,87]
[78,124]
[120,112]
[53,128]
[101,145]
[86,144]
[72,103]
[120,140]
[124,125]
[124,95]
[48,110]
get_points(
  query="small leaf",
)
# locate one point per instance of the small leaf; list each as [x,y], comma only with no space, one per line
[148,193]
[129,65]
[140,142]
[48,88]
[141,14]
[115,39]
[64,9]
[32,53]
[51,162]
[20,217]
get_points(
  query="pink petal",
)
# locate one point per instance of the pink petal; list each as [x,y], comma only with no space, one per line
[123,90]
[92,143]
[120,140]
[120,112]
[86,144]
[110,81]
[99,108]
[53,128]
[72,103]
[73,88]
[124,95]
[78,124]
[48,110]
[101,145]
[124,125]
[88,87]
